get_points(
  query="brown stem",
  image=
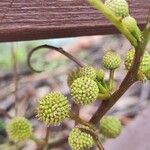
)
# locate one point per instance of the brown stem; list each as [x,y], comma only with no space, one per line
[5,113]
[47,137]
[81,121]
[60,50]
[126,83]
[58,142]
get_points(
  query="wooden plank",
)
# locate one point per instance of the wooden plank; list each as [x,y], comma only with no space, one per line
[42,19]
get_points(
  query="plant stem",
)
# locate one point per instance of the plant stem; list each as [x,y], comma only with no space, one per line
[100,6]
[81,121]
[60,50]
[15,75]
[46,138]
[58,142]
[111,79]
[5,113]
[126,83]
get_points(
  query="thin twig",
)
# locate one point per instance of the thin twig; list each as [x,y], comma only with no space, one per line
[5,113]
[60,50]
[15,75]
[58,142]
[47,138]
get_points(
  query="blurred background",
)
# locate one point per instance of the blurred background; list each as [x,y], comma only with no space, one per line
[19,83]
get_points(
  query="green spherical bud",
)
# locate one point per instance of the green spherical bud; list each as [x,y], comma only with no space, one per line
[132,26]
[110,126]
[19,129]
[100,74]
[86,71]
[145,64]
[129,58]
[53,108]
[84,91]
[79,140]
[111,60]
[73,75]
[119,7]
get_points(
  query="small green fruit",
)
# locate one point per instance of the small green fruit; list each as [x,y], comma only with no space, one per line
[132,26]
[86,71]
[100,74]
[111,60]
[119,7]
[145,64]
[19,129]
[79,140]
[84,91]
[53,108]
[110,126]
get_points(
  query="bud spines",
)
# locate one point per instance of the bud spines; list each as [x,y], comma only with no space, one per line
[111,60]
[84,91]
[19,129]
[79,140]
[110,126]
[119,7]
[53,108]
[86,71]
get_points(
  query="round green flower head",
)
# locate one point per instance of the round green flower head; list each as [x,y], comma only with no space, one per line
[119,7]
[79,140]
[131,25]
[100,74]
[73,75]
[110,126]
[111,60]
[19,129]
[53,108]
[145,64]
[84,91]
[86,71]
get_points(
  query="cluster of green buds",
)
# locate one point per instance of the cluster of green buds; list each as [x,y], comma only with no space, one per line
[86,85]
[121,9]
[144,69]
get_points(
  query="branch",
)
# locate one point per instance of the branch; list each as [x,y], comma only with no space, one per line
[15,75]
[60,50]
[58,142]
[5,113]
[126,83]
[100,6]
